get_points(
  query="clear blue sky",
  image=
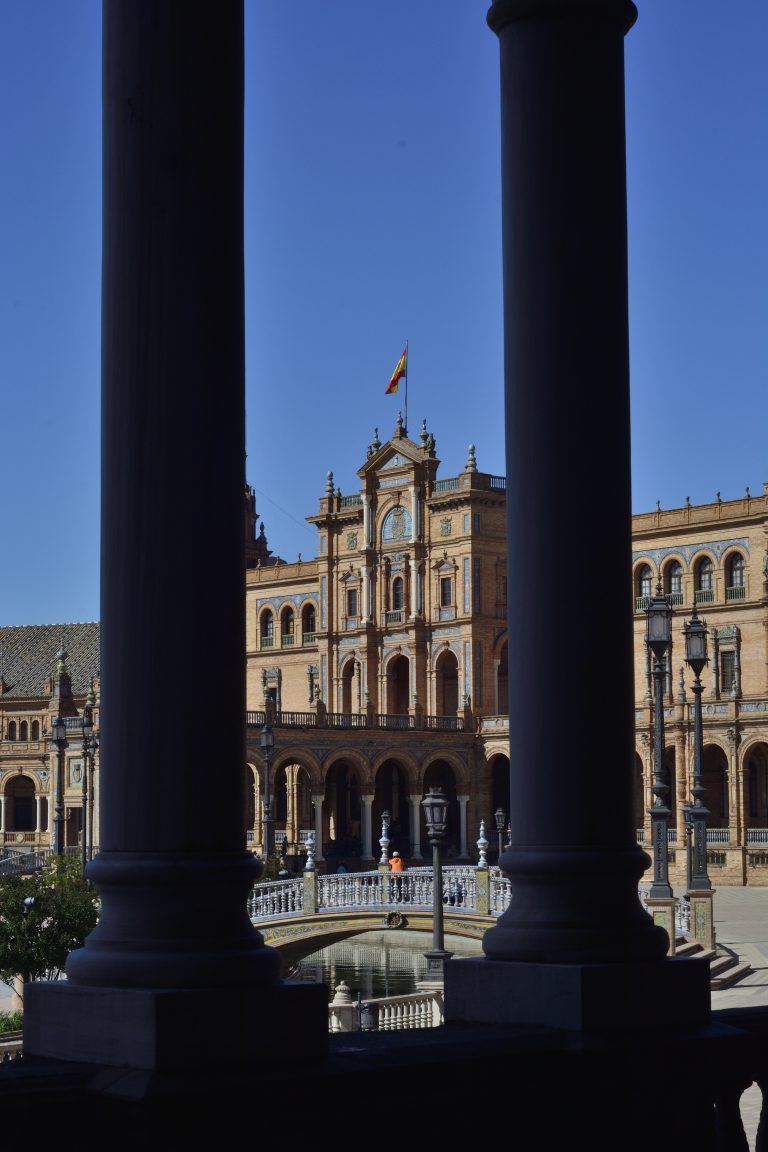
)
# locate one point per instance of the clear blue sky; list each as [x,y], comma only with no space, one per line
[373,217]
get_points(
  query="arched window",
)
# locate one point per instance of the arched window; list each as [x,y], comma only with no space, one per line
[397,594]
[24,730]
[267,629]
[35,729]
[12,730]
[704,581]
[643,587]
[308,624]
[735,580]
[674,583]
[287,628]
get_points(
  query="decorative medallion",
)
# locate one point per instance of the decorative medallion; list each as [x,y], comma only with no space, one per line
[352,540]
[445,526]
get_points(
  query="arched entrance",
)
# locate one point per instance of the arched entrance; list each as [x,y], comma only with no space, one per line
[342,809]
[440,774]
[20,805]
[447,684]
[500,794]
[391,795]
[347,686]
[398,686]
[756,773]
[714,777]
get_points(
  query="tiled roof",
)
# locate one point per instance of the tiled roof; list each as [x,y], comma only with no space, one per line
[28,657]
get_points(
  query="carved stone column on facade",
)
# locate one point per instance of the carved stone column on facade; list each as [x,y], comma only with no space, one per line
[366,806]
[415,803]
[2,813]
[317,802]
[463,848]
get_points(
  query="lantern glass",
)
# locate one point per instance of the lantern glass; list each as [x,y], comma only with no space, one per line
[500,817]
[435,805]
[696,643]
[658,625]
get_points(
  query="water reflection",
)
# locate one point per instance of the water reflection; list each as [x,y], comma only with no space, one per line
[373,965]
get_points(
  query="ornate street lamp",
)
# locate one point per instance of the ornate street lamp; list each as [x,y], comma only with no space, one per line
[695,631]
[59,741]
[500,817]
[435,805]
[657,636]
[267,741]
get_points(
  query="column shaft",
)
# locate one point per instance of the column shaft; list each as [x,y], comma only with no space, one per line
[173,873]
[564,237]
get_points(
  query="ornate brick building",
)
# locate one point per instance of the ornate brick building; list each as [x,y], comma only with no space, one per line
[381,665]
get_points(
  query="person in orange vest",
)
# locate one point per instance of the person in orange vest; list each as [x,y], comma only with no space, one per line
[397,865]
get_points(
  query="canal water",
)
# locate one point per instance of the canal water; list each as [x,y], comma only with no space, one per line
[375,964]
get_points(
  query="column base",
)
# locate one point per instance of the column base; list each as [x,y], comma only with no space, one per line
[162,1030]
[577,997]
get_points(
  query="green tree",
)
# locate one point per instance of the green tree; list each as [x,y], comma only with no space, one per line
[61,909]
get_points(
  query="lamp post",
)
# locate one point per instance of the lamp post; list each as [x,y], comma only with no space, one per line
[59,741]
[89,749]
[267,745]
[500,817]
[688,845]
[26,908]
[695,631]
[657,637]
[435,805]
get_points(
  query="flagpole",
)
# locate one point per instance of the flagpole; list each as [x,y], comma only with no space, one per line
[406,387]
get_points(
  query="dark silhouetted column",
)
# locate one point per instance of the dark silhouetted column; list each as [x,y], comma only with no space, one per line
[573,859]
[173,873]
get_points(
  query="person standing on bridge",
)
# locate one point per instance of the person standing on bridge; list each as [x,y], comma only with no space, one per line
[397,865]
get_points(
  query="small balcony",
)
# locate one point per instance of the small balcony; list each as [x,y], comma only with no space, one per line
[287,640]
[267,642]
[704,595]
[395,616]
[309,638]
[737,592]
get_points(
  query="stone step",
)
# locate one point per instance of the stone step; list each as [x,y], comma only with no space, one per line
[724,968]
[730,975]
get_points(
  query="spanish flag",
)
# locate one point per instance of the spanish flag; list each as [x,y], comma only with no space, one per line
[400,370]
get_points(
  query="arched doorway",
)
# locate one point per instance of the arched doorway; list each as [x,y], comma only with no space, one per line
[342,810]
[347,686]
[20,805]
[756,770]
[714,777]
[391,795]
[500,793]
[398,686]
[440,774]
[447,684]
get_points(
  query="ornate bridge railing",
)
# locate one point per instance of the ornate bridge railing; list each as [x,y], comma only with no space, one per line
[466,888]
